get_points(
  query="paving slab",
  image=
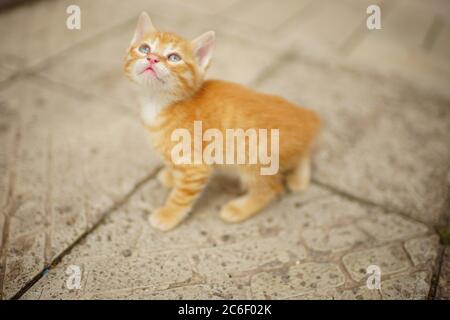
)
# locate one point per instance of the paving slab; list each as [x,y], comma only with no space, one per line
[61,175]
[390,259]
[359,293]
[209,7]
[443,287]
[333,212]
[6,72]
[388,227]
[25,259]
[423,249]
[441,48]
[299,278]
[158,271]
[404,43]
[412,48]
[6,138]
[208,258]
[409,287]
[386,144]
[244,256]
[275,14]
[325,24]
[212,291]
[335,239]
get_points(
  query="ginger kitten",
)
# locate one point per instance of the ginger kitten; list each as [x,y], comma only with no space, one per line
[170,71]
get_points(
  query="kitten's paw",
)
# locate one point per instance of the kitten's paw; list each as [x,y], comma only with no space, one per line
[165,219]
[165,177]
[232,213]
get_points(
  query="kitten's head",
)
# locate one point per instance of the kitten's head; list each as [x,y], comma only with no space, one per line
[165,62]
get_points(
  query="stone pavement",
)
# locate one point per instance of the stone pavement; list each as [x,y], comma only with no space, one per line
[77,175]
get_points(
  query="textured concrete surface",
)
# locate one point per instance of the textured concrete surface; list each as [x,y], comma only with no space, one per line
[443,291]
[77,174]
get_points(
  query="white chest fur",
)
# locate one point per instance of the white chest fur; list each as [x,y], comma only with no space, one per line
[150,109]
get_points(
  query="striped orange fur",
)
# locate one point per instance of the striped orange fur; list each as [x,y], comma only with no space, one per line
[175,94]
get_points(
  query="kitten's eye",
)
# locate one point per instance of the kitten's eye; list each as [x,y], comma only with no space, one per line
[144,48]
[173,57]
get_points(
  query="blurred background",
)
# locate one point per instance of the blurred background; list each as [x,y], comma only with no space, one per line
[72,150]
[412,42]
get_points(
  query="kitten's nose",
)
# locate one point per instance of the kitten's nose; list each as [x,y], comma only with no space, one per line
[152,59]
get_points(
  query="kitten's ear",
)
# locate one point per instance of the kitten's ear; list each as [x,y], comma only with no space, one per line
[203,48]
[144,26]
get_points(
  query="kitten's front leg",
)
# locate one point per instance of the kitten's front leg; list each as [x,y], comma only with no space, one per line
[190,182]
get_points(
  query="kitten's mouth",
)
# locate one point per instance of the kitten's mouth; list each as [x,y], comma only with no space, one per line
[152,71]
[149,69]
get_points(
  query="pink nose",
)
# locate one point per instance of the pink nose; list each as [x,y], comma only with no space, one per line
[152,59]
